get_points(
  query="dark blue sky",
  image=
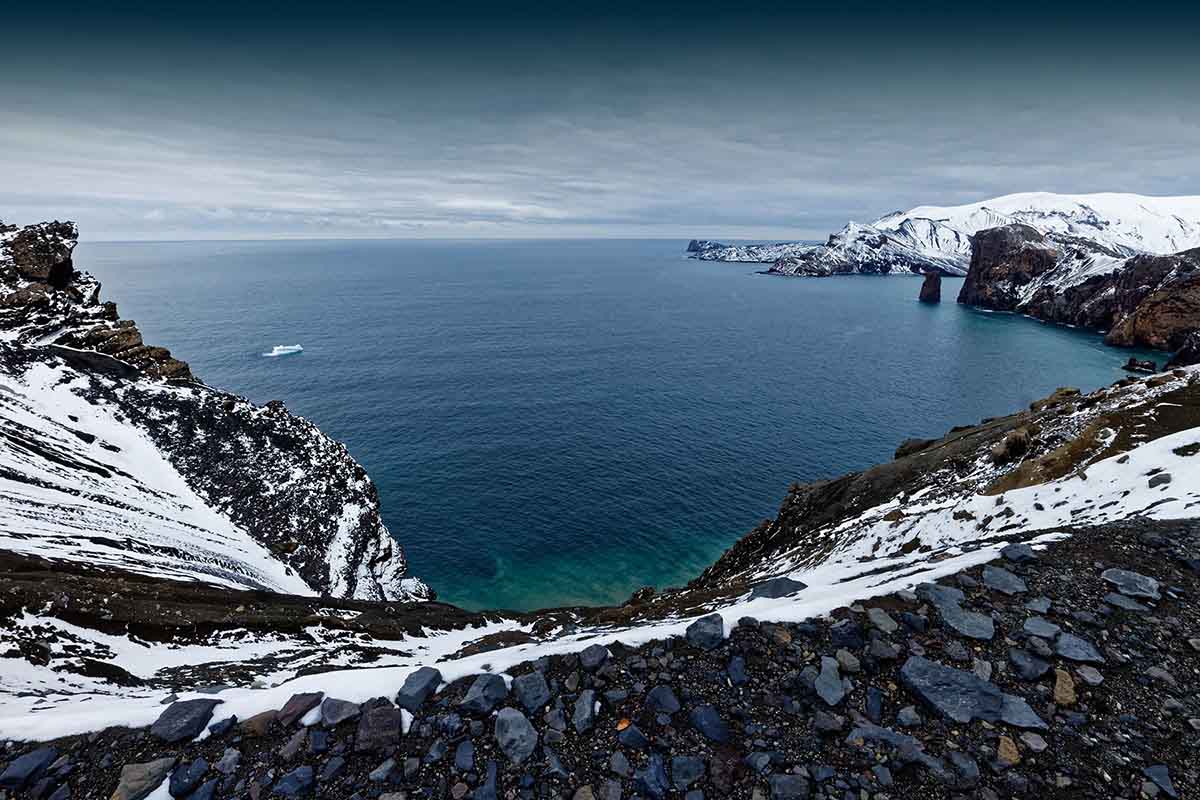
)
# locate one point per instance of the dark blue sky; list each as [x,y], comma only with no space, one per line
[764,121]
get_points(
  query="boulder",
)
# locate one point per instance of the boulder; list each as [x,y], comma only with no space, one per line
[515,735]
[963,696]
[137,781]
[417,687]
[183,720]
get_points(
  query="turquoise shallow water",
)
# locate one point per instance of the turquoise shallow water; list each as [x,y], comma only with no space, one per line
[564,422]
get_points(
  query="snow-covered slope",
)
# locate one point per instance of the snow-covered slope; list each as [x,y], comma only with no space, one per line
[104,461]
[1130,222]
[938,237]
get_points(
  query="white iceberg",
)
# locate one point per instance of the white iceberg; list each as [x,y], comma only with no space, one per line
[283,350]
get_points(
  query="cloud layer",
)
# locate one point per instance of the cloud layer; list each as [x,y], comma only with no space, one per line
[692,120]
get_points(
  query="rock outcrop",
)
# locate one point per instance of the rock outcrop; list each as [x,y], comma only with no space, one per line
[1148,301]
[43,300]
[113,454]
[931,288]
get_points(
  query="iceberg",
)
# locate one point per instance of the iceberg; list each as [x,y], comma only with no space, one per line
[283,350]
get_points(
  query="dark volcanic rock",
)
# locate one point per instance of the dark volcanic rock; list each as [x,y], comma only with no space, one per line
[962,696]
[487,692]
[776,588]
[184,720]
[378,730]
[931,288]
[531,690]
[707,632]
[417,686]
[516,737]
[26,769]
[1002,260]
[1132,584]
[1188,352]
[297,706]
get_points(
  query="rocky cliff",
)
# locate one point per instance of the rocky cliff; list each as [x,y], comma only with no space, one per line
[114,455]
[938,238]
[1140,301]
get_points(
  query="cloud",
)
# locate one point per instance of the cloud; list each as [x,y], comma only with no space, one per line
[704,123]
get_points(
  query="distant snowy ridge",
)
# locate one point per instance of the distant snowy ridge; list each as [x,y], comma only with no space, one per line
[938,237]
[113,455]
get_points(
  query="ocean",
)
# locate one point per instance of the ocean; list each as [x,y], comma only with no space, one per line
[562,422]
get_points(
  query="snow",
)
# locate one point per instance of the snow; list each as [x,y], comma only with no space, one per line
[1115,488]
[115,500]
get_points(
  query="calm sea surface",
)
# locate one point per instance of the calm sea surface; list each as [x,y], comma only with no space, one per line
[564,422]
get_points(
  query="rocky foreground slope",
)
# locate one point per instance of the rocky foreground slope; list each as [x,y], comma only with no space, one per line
[113,455]
[1005,610]
[937,238]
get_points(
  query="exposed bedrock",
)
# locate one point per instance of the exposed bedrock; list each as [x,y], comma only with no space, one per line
[1142,301]
[931,288]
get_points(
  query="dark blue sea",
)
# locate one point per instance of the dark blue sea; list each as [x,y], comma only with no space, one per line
[560,422]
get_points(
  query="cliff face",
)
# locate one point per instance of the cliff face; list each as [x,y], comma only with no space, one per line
[1141,300]
[113,454]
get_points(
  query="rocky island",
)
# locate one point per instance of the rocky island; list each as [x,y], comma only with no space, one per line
[199,600]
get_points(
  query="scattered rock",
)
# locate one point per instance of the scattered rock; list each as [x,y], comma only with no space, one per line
[707,632]
[1132,584]
[776,588]
[515,735]
[184,720]
[137,781]
[487,692]
[418,686]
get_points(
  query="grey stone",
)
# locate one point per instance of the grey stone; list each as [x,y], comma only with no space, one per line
[652,779]
[1090,675]
[1034,741]
[633,738]
[788,787]
[847,660]
[332,770]
[829,686]
[183,720]
[138,780]
[531,691]
[777,588]
[487,692]
[1018,553]
[966,767]
[909,718]
[948,602]
[1040,626]
[1161,775]
[186,777]
[686,770]
[1124,603]
[515,735]
[593,657]
[334,712]
[229,761]
[464,756]
[708,722]
[297,706]
[737,671]
[296,783]
[882,620]
[706,633]
[1132,584]
[25,770]
[1074,648]
[962,696]
[417,687]
[584,715]
[1029,668]
[619,764]
[1161,479]
[289,750]
[1001,580]
[378,730]
[1038,605]
[662,698]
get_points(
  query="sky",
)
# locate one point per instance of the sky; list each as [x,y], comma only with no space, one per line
[750,120]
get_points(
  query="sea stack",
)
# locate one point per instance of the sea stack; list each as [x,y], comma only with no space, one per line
[931,289]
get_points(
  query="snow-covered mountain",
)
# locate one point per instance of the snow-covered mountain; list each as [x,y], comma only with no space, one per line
[938,237]
[113,455]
